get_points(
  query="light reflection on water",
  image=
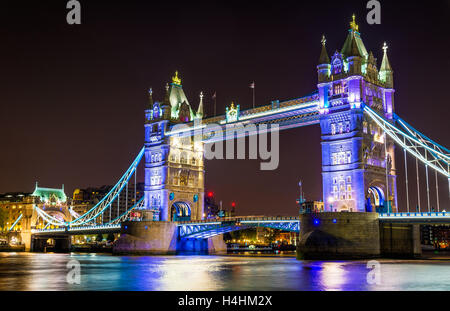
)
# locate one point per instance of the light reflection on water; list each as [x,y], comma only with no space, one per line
[33,271]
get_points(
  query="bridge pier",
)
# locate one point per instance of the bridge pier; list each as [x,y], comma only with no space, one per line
[400,240]
[161,238]
[62,243]
[338,235]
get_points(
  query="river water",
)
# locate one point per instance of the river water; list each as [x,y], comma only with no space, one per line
[35,271]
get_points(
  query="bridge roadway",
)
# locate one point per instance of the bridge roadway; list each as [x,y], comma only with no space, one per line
[211,227]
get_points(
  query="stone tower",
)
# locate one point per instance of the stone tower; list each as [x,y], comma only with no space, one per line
[174,172]
[358,168]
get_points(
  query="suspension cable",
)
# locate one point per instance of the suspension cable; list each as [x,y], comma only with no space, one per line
[406,177]
[387,175]
[428,187]
[437,191]
[418,187]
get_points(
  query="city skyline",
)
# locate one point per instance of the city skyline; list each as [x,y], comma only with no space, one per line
[98,106]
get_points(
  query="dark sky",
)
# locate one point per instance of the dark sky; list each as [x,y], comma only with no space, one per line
[72,97]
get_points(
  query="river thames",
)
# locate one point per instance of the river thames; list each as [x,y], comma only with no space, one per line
[36,271]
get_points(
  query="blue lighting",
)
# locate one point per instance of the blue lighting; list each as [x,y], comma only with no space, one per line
[195,198]
[146,227]
[316,222]
[126,227]
[334,220]
[171,196]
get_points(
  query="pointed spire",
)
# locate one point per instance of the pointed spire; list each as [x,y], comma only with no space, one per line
[150,98]
[371,59]
[385,66]
[324,59]
[175,79]
[167,97]
[353,25]
[199,113]
[354,51]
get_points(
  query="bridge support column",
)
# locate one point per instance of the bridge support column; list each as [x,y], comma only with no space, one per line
[147,237]
[161,238]
[400,240]
[334,235]
[26,240]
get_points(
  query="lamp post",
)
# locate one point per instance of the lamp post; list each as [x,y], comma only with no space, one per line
[331,201]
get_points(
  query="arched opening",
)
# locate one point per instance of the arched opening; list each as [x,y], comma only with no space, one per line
[180,211]
[375,200]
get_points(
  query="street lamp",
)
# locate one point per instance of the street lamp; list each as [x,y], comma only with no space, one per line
[331,201]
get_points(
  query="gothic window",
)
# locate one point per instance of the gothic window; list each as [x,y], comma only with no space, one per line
[338,89]
[347,126]
[183,158]
[349,157]
[333,158]
[335,181]
[153,158]
[341,128]
[365,127]
[333,128]
[337,66]
[349,179]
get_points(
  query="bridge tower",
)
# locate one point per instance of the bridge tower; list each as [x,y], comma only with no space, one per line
[174,172]
[358,168]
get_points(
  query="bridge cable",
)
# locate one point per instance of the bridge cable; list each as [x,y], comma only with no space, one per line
[418,186]
[406,178]
[387,174]
[428,186]
[437,191]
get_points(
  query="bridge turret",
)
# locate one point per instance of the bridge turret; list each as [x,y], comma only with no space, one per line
[386,72]
[353,149]
[323,69]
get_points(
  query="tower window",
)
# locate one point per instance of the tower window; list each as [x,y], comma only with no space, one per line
[333,128]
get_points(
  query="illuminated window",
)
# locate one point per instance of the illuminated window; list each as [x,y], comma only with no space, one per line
[365,127]
[349,179]
[333,128]
[341,128]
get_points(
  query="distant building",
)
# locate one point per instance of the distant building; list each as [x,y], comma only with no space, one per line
[312,207]
[85,199]
[19,215]
[211,208]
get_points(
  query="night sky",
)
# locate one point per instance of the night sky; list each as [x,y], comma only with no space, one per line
[72,97]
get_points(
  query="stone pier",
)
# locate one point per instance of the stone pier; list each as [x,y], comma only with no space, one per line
[340,235]
[161,238]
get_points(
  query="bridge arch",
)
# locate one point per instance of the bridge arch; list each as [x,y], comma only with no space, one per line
[375,198]
[180,211]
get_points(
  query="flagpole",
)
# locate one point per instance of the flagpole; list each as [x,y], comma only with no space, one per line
[253,88]
[215,102]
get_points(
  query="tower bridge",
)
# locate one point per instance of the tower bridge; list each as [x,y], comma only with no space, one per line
[360,132]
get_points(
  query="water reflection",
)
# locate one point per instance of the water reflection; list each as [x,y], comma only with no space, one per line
[31,271]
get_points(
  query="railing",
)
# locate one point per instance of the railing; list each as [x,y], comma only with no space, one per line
[239,219]
[415,215]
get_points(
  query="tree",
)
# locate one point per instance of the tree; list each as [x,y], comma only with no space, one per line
[3,219]
[110,237]
[99,237]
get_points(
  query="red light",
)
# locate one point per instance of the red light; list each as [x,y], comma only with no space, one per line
[233,204]
[210,194]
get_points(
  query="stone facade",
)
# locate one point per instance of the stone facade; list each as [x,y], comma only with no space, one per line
[174,171]
[356,154]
